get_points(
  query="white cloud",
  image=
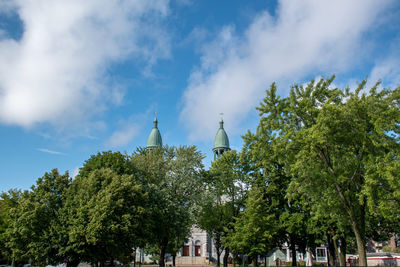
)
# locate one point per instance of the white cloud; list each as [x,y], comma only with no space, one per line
[387,69]
[305,37]
[45,150]
[123,136]
[75,172]
[129,128]
[57,71]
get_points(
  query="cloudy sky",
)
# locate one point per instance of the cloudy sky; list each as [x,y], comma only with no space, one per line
[79,77]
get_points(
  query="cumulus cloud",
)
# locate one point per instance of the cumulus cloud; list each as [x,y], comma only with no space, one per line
[303,38]
[123,136]
[74,172]
[387,69]
[57,71]
[126,129]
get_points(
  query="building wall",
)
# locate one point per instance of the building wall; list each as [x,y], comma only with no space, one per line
[207,248]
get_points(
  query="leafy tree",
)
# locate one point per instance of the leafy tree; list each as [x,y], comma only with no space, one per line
[175,245]
[116,161]
[35,223]
[215,215]
[268,161]
[106,210]
[8,201]
[254,229]
[171,176]
[225,193]
[342,141]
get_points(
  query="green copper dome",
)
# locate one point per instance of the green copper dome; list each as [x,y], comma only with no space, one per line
[221,140]
[154,139]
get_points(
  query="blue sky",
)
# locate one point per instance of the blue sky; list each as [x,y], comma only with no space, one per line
[79,77]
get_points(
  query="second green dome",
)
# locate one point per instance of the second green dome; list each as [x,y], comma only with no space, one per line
[221,138]
[154,140]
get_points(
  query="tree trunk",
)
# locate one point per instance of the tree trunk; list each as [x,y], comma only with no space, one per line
[72,263]
[293,251]
[235,255]
[331,250]
[218,257]
[362,256]
[342,253]
[254,261]
[335,245]
[392,243]
[358,225]
[163,249]
[218,248]
[173,259]
[226,256]
[265,261]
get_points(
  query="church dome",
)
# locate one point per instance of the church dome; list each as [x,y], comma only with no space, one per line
[221,140]
[154,140]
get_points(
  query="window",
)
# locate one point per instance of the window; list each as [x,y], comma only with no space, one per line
[197,248]
[320,252]
[185,251]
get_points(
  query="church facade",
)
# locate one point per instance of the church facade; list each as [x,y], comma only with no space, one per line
[199,248]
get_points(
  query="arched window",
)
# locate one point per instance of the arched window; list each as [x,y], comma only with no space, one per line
[185,250]
[197,248]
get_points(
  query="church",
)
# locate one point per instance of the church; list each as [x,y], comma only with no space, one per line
[199,248]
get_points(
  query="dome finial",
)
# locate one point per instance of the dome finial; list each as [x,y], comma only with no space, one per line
[155,121]
[221,121]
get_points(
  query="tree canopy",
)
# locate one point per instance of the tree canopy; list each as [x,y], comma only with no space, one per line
[342,142]
[171,177]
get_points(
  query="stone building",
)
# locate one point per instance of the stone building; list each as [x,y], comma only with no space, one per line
[199,248]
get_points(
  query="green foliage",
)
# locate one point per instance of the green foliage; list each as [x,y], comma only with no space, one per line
[254,229]
[343,146]
[268,161]
[171,176]
[389,249]
[35,222]
[115,161]
[225,188]
[8,201]
[106,209]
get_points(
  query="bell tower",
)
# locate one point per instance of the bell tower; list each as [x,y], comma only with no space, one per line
[154,140]
[221,141]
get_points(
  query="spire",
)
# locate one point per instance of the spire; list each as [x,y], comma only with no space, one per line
[154,140]
[221,141]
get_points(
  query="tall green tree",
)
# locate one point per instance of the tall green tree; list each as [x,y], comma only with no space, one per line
[171,177]
[214,217]
[343,142]
[35,223]
[254,229]
[225,186]
[268,160]
[106,210]
[106,215]
[8,201]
